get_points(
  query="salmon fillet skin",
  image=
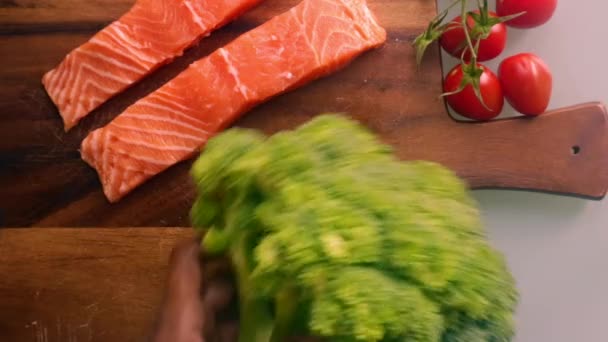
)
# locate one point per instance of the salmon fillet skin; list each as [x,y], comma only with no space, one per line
[171,124]
[151,34]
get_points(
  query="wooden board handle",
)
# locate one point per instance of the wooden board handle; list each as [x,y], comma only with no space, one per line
[562,151]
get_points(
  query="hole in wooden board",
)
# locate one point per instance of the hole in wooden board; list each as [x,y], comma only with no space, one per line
[576,150]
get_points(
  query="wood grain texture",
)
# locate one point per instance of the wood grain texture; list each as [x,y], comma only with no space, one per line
[61,285]
[26,16]
[43,182]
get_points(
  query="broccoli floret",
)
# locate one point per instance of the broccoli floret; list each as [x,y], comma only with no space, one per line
[324,226]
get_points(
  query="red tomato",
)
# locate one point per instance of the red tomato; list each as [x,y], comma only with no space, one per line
[453,40]
[537,13]
[526,81]
[466,103]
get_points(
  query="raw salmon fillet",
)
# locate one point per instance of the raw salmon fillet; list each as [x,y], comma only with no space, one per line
[171,124]
[152,33]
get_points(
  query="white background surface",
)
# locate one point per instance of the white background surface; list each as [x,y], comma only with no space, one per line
[556,246]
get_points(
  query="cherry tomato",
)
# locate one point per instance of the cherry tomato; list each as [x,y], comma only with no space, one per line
[466,103]
[453,40]
[526,82]
[537,13]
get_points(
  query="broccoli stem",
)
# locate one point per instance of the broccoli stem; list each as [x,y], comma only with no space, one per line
[255,319]
[286,306]
[215,241]
[255,322]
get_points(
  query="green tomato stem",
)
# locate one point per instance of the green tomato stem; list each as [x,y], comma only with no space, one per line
[464,17]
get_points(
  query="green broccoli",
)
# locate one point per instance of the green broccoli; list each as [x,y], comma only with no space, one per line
[330,235]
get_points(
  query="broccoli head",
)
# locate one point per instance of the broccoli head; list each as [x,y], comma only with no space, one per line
[331,235]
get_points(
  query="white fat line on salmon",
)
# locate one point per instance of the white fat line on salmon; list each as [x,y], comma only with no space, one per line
[348,22]
[306,38]
[61,85]
[74,86]
[94,101]
[53,77]
[132,176]
[197,19]
[234,73]
[96,85]
[168,100]
[348,7]
[92,145]
[135,170]
[158,147]
[153,117]
[53,84]
[124,32]
[171,95]
[146,103]
[96,147]
[127,176]
[111,60]
[105,150]
[79,89]
[370,16]
[288,75]
[113,176]
[125,43]
[76,113]
[129,32]
[130,155]
[367,17]
[125,48]
[152,32]
[197,139]
[343,47]
[124,186]
[143,19]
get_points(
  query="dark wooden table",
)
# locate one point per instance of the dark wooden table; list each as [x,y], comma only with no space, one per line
[103,284]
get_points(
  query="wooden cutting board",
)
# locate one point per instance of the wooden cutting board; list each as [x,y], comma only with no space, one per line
[79,284]
[43,181]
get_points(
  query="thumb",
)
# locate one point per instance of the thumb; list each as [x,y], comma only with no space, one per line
[181,316]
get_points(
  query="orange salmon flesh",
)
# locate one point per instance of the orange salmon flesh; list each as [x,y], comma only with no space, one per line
[151,34]
[171,124]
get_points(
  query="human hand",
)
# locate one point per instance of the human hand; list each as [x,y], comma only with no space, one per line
[191,303]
